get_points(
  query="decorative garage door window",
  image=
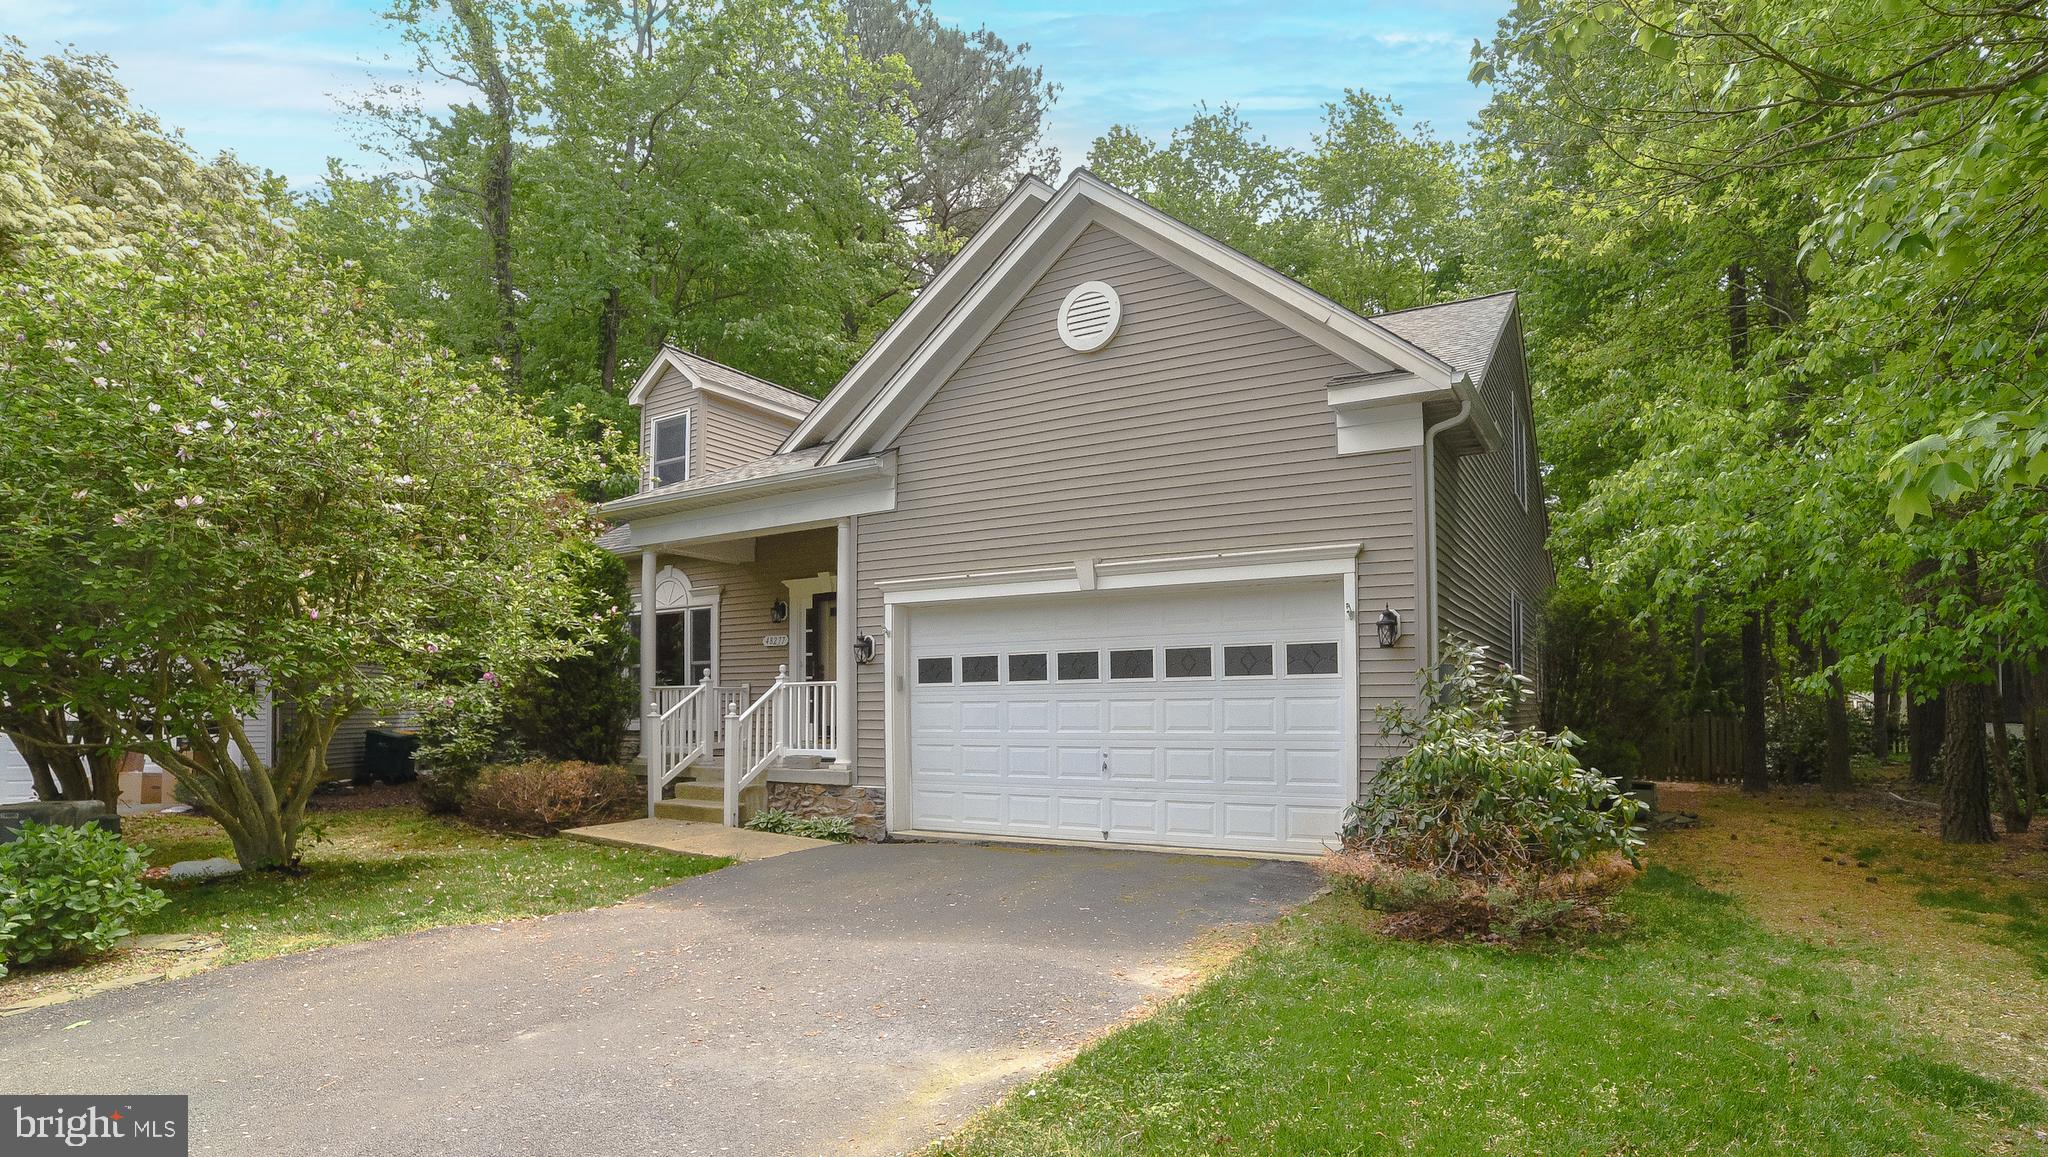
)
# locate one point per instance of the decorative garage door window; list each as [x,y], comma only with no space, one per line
[1130,664]
[1311,658]
[1255,660]
[1240,660]
[1027,668]
[978,669]
[935,670]
[1080,665]
[1187,662]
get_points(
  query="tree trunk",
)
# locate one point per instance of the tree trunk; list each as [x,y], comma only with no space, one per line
[608,340]
[480,50]
[1965,768]
[1835,772]
[2034,715]
[1756,775]
[1738,315]
[1880,711]
[64,765]
[2015,803]
[1925,725]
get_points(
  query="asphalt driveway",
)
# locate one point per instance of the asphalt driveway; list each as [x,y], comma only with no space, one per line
[861,998]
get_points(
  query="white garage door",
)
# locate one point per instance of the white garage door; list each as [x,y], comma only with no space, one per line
[1211,718]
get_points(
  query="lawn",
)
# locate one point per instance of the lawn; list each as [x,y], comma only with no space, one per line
[1704,1027]
[372,873]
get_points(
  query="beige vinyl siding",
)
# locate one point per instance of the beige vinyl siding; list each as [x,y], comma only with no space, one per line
[1203,426]
[723,434]
[1488,546]
[735,435]
[345,747]
[747,593]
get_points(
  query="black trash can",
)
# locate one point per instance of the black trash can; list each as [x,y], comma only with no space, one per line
[388,756]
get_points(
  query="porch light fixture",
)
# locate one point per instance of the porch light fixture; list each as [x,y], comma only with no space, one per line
[779,612]
[864,649]
[1390,627]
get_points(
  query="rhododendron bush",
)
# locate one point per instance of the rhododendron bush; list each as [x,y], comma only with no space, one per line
[224,465]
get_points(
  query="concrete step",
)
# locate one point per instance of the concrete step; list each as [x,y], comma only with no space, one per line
[711,810]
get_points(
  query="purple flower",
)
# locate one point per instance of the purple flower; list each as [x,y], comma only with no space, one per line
[491,678]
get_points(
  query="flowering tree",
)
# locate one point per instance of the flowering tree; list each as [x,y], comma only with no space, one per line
[223,467]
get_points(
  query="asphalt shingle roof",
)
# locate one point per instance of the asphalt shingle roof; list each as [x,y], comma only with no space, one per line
[721,374]
[1462,333]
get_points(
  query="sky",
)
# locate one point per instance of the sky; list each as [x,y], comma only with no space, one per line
[268,80]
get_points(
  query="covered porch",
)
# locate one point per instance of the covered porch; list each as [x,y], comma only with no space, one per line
[746,670]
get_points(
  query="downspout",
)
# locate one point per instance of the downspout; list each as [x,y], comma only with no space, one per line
[1426,538]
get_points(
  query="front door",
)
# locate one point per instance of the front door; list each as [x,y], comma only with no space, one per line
[821,638]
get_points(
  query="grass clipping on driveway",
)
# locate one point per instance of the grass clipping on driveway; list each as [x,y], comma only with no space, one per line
[377,872]
[1700,1030]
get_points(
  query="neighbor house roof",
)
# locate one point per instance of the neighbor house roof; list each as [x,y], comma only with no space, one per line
[1463,333]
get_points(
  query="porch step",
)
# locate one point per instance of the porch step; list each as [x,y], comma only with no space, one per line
[705,804]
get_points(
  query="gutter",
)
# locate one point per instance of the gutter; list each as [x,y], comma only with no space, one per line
[643,505]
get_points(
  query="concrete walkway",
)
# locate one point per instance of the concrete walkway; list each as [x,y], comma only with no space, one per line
[854,999]
[741,844]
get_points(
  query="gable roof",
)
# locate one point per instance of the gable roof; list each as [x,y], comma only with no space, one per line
[931,307]
[1087,200]
[721,380]
[1464,333]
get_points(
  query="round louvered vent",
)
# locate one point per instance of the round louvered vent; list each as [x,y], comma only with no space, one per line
[1089,315]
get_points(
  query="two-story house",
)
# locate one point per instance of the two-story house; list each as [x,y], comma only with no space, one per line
[1116,536]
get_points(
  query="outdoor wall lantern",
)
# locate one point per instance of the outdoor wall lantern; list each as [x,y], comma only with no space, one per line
[864,649]
[779,612]
[1390,627]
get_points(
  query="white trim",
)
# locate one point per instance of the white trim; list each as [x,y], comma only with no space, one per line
[670,358]
[721,493]
[689,420]
[1221,568]
[1087,199]
[800,593]
[846,724]
[960,274]
[895,717]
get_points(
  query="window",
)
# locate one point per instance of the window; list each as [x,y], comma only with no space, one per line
[978,669]
[1518,615]
[935,670]
[1080,665]
[1187,662]
[671,457]
[1130,664]
[1311,658]
[1256,660]
[682,647]
[1027,668]
[1518,434]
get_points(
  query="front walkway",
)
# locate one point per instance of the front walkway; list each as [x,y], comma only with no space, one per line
[696,839]
[858,998]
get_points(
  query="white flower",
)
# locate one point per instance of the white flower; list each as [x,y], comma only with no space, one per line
[155,409]
[182,427]
[217,404]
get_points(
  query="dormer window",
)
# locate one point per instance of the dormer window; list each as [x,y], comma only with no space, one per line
[671,456]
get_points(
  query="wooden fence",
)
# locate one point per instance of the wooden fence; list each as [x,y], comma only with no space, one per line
[1700,749]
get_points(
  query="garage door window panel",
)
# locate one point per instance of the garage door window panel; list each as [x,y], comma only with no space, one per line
[1027,668]
[1312,658]
[1080,666]
[935,670]
[978,669]
[1245,661]
[1130,664]
[1188,662]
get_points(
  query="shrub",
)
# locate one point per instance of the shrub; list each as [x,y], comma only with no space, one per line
[578,707]
[1474,812]
[1604,678]
[458,736]
[546,796]
[838,829]
[66,893]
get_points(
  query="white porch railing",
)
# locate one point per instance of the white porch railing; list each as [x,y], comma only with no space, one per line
[687,727]
[793,718]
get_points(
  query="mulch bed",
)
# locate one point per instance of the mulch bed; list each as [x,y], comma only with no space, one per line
[343,796]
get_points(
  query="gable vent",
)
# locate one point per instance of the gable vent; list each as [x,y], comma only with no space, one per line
[1089,315]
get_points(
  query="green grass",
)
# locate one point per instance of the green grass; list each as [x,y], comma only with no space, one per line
[2014,919]
[385,871]
[1697,1031]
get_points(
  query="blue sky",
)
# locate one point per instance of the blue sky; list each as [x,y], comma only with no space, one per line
[266,79]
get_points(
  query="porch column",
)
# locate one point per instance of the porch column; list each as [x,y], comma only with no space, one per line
[848,592]
[648,559]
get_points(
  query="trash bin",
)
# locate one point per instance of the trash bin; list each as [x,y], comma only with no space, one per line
[388,755]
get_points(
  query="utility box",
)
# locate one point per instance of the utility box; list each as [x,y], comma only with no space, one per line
[388,756]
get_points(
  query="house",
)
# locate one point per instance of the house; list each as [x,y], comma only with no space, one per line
[264,727]
[1116,536]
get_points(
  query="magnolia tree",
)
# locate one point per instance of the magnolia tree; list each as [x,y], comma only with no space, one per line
[223,468]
